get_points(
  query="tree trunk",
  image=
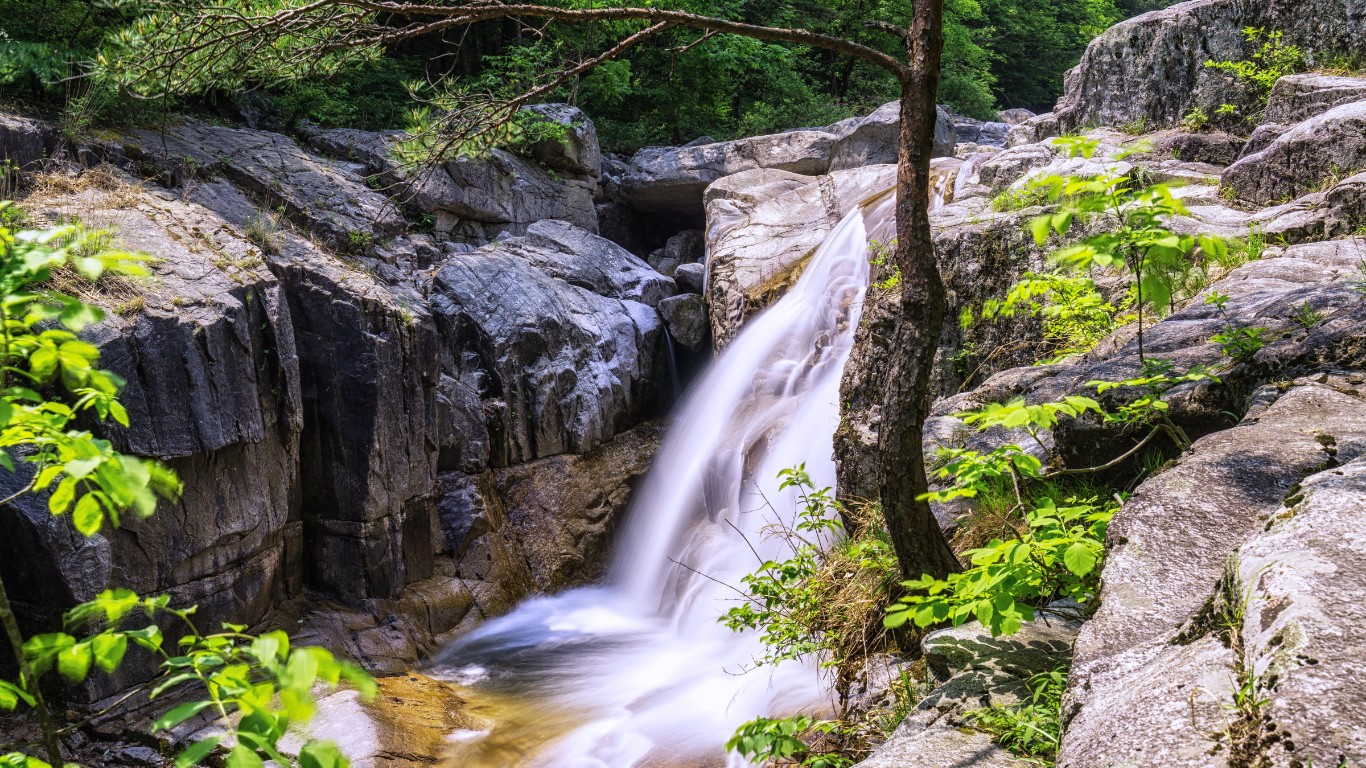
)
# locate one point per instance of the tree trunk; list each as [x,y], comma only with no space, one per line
[918,541]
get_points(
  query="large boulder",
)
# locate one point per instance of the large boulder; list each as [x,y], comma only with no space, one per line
[24,144]
[875,139]
[1150,70]
[1295,98]
[1305,158]
[561,366]
[576,151]
[671,180]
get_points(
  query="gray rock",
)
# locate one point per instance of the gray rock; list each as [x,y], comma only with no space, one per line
[1115,84]
[1261,138]
[1302,627]
[672,180]
[1214,147]
[1296,98]
[563,251]
[686,318]
[24,144]
[1299,161]
[876,138]
[327,198]
[1015,116]
[473,199]
[1040,646]
[577,152]
[993,134]
[560,367]
[1346,204]
[1148,663]
[686,247]
[1033,130]
[939,746]
[691,277]
[1005,168]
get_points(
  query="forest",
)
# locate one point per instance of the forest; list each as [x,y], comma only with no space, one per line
[999,54]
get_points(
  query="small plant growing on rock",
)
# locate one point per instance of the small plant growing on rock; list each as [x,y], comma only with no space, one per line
[1270,59]
[1239,343]
[1307,316]
[1032,728]
[263,231]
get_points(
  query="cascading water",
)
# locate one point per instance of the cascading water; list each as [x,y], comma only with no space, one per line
[641,672]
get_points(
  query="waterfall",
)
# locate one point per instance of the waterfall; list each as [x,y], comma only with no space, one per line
[640,671]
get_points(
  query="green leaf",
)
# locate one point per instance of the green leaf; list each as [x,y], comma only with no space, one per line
[180,714]
[60,500]
[1040,226]
[88,516]
[322,754]
[74,663]
[196,752]
[1079,559]
[109,649]
[242,757]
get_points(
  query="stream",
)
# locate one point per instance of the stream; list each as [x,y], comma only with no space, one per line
[639,672]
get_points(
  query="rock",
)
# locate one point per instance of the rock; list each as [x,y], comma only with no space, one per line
[691,277]
[1261,138]
[562,510]
[686,247]
[474,199]
[577,152]
[1346,203]
[993,134]
[24,144]
[1214,147]
[1150,662]
[1302,627]
[1034,130]
[1115,82]
[758,244]
[1296,98]
[965,129]
[876,138]
[581,258]
[1005,168]
[560,367]
[1299,161]
[1040,646]
[1015,116]
[686,318]
[671,180]
[327,198]
[936,746]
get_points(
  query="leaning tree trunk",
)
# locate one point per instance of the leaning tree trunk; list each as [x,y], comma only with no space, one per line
[918,541]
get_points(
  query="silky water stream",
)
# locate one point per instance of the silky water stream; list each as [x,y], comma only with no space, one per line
[640,672]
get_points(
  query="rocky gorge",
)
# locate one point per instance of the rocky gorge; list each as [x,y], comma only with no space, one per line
[403,400]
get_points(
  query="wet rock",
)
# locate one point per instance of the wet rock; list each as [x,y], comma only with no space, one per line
[875,139]
[1296,98]
[577,151]
[672,180]
[1302,159]
[686,318]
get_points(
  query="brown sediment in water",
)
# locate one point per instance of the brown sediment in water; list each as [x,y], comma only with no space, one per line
[415,716]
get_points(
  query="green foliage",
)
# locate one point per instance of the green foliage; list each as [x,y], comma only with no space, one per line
[1075,315]
[48,379]
[1240,343]
[1148,407]
[1032,728]
[1269,59]
[1058,555]
[1307,316]
[764,741]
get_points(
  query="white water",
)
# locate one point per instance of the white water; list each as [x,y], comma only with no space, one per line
[642,670]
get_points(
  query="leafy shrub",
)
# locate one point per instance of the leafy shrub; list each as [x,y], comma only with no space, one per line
[1270,58]
[791,740]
